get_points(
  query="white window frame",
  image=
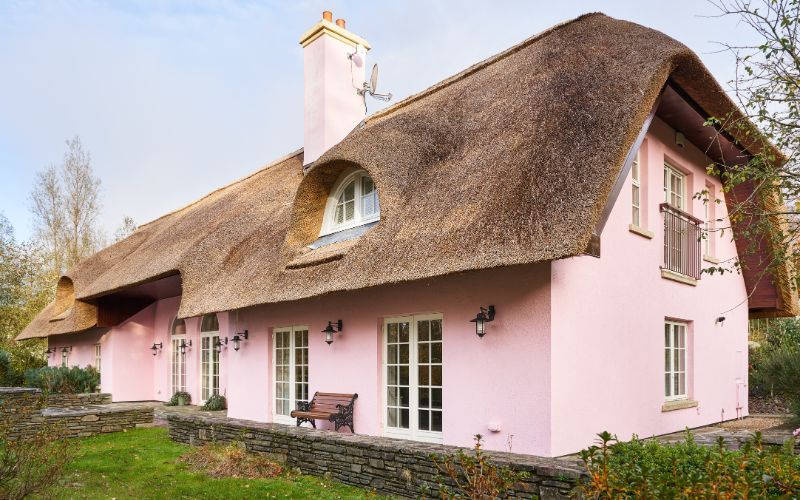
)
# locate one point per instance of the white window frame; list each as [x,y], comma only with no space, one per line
[636,192]
[64,357]
[413,432]
[276,417]
[177,360]
[671,350]
[329,224]
[671,173]
[208,378]
[97,357]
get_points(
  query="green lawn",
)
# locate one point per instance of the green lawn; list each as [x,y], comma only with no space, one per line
[142,464]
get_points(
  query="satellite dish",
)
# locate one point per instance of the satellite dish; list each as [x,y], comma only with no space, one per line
[373,79]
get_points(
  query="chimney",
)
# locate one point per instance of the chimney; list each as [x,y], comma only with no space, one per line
[334,62]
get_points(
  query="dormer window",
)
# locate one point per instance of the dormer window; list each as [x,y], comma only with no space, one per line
[353,202]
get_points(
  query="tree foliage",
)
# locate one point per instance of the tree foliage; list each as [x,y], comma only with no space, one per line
[125,229]
[26,287]
[767,89]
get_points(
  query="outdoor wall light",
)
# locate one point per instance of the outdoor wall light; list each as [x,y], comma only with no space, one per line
[50,351]
[220,342]
[720,320]
[483,317]
[238,338]
[66,349]
[330,330]
[157,347]
[184,345]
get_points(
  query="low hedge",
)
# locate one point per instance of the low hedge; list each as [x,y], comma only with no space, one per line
[63,380]
[648,469]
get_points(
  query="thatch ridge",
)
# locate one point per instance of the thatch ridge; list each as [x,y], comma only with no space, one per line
[472,174]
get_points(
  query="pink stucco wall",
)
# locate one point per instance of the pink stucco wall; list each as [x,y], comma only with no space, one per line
[503,377]
[608,321]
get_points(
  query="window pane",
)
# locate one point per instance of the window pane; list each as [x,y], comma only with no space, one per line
[392,332]
[436,375]
[404,419]
[423,420]
[424,353]
[436,352]
[423,330]
[210,323]
[436,398]
[436,329]
[391,417]
[404,375]
[424,375]
[404,327]
[404,353]
[402,393]
[436,421]
[391,375]
[349,210]
[667,391]
[424,398]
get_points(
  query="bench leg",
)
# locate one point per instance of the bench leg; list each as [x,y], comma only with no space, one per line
[300,420]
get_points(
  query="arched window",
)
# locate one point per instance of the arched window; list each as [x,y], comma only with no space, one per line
[353,202]
[210,323]
[178,327]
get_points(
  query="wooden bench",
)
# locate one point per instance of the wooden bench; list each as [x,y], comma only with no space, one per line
[331,406]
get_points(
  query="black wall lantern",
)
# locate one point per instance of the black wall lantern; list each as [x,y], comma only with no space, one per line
[157,347]
[330,330]
[49,351]
[238,338]
[221,342]
[483,317]
[184,345]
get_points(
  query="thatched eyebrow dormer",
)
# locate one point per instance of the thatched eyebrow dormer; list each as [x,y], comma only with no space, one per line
[510,162]
[314,237]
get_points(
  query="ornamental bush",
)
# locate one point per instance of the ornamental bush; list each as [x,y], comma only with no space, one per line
[215,403]
[63,380]
[180,398]
[648,469]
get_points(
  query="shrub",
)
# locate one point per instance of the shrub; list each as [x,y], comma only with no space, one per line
[231,460]
[215,403]
[648,469]
[8,376]
[63,380]
[474,475]
[31,463]
[180,398]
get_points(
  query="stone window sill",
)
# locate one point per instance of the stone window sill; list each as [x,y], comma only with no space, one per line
[640,231]
[678,277]
[711,259]
[680,404]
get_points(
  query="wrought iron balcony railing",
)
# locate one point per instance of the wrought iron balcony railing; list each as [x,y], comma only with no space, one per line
[683,236]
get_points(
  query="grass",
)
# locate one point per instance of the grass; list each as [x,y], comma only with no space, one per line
[143,464]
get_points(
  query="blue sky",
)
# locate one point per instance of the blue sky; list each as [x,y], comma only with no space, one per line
[174,99]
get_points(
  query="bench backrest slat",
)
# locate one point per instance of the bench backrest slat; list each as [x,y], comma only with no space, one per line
[327,401]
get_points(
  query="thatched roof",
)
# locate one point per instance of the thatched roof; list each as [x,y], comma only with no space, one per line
[509,162]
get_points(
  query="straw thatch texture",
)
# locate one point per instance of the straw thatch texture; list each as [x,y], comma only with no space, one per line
[509,162]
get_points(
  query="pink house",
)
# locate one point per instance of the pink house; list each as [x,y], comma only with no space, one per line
[543,199]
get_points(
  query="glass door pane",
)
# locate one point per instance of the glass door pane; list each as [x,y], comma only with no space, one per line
[429,375]
[205,367]
[300,365]
[398,402]
[283,396]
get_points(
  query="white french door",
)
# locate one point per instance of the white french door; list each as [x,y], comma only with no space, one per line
[412,377]
[289,371]
[209,365]
[178,365]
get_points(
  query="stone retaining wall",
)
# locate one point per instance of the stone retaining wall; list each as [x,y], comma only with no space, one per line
[21,409]
[72,400]
[390,466]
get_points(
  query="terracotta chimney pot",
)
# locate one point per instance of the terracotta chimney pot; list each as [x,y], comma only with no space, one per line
[327,15]
[340,23]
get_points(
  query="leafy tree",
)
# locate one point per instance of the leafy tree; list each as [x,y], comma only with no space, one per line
[26,287]
[767,88]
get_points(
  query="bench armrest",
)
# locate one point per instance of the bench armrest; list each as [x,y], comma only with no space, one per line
[303,406]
